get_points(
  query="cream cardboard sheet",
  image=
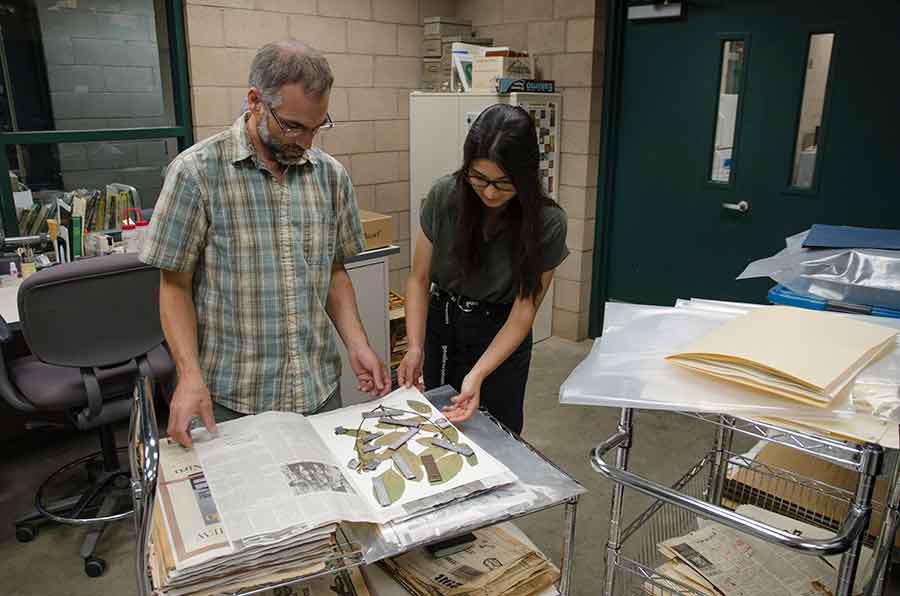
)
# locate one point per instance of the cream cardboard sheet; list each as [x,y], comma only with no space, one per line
[804,355]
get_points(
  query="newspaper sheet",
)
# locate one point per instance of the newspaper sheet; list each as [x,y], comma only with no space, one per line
[351,583]
[196,534]
[272,477]
[739,565]
[495,564]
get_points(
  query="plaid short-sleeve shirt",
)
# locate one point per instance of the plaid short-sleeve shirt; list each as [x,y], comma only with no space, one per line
[261,252]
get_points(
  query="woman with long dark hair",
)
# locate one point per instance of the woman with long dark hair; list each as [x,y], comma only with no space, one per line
[489,243]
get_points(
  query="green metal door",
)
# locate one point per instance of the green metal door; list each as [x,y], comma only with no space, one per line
[809,93]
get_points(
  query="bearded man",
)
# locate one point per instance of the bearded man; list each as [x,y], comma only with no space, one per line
[250,232]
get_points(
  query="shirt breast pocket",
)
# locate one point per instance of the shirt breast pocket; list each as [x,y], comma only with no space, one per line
[318,230]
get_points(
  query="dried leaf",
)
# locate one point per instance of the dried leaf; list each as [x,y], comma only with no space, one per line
[449,466]
[415,464]
[389,438]
[394,483]
[472,459]
[419,407]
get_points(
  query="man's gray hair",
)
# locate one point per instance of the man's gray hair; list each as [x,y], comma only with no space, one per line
[283,62]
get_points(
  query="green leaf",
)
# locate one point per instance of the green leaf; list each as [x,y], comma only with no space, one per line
[419,407]
[472,460]
[426,441]
[389,438]
[436,452]
[430,428]
[451,433]
[383,426]
[449,466]
[413,461]
[394,483]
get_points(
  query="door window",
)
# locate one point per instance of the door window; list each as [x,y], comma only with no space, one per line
[730,79]
[815,85]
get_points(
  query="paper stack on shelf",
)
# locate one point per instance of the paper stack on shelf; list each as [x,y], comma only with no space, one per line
[718,561]
[495,564]
[803,355]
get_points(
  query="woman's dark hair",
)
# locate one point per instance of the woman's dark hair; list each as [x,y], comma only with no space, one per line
[505,135]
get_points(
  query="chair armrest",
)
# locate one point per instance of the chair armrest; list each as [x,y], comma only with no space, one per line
[6,333]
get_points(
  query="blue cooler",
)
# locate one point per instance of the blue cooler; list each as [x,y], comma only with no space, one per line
[782,295]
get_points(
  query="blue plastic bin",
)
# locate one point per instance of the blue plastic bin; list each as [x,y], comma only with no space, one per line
[781,295]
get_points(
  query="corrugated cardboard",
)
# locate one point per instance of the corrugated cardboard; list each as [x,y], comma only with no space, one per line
[437,26]
[791,497]
[378,229]
[487,70]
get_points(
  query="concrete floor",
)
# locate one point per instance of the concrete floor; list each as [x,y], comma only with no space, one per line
[665,447]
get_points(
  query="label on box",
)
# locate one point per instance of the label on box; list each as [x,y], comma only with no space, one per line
[525,86]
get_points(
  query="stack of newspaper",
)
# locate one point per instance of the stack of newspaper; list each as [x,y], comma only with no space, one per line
[495,564]
[718,561]
[191,553]
[263,501]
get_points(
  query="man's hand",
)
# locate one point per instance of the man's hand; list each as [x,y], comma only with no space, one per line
[463,406]
[191,399]
[371,374]
[409,372]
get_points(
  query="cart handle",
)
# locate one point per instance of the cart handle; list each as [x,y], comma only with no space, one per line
[854,524]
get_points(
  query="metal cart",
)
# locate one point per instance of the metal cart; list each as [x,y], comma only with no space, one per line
[632,557]
[547,485]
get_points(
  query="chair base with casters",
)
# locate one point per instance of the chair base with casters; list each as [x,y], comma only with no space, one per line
[91,326]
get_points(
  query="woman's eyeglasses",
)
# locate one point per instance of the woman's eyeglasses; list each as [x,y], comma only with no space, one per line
[298,130]
[479,182]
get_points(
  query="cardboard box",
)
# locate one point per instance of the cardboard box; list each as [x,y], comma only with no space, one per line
[486,71]
[792,500]
[438,26]
[431,47]
[447,47]
[378,229]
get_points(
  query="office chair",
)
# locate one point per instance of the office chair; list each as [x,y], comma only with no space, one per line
[87,325]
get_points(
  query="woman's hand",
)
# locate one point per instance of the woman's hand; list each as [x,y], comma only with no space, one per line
[463,406]
[409,372]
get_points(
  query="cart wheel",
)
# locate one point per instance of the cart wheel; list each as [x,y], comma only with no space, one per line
[94,566]
[25,533]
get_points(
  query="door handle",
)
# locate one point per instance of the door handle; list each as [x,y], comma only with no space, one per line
[740,207]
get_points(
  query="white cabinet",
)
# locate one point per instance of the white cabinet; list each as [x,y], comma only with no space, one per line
[438,124]
[369,275]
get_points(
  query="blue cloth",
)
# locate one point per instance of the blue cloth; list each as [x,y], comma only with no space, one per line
[825,236]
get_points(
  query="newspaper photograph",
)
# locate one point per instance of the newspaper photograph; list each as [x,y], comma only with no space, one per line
[740,565]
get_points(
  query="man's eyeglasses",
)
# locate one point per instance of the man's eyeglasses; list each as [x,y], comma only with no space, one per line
[298,130]
[479,182]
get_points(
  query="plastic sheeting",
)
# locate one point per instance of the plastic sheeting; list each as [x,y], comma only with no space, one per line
[540,485]
[626,368]
[856,276]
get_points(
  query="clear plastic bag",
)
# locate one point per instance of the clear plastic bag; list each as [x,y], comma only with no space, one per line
[626,367]
[856,276]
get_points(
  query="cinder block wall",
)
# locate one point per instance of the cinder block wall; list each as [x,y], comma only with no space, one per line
[567,37]
[103,68]
[374,47]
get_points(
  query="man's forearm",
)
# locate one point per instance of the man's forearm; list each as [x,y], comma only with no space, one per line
[179,323]
[343,311]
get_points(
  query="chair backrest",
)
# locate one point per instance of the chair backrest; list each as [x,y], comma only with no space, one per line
[94,312]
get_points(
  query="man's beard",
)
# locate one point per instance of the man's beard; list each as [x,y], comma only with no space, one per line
[284,153]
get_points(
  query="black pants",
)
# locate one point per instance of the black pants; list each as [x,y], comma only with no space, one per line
[455,340]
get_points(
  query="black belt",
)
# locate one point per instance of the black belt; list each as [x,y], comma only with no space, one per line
[466,304]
